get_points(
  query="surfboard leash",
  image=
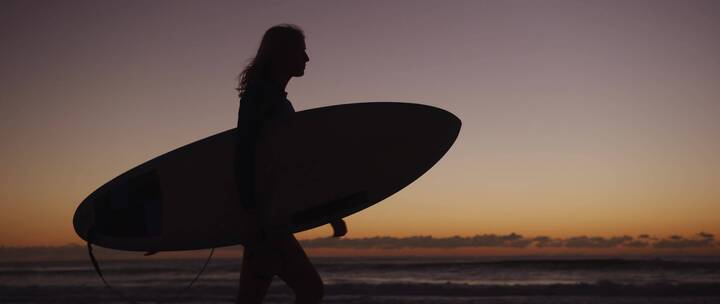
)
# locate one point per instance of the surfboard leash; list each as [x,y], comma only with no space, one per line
[133,301]
[180,292]
[102,277]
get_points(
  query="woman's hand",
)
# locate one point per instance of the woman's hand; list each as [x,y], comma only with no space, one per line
[339,228]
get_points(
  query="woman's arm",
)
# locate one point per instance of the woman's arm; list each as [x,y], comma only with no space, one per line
[250,117]
[256,105]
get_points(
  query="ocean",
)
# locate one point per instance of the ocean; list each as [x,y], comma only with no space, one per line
[376,280]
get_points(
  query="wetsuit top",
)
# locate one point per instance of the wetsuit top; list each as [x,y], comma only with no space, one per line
[259,102]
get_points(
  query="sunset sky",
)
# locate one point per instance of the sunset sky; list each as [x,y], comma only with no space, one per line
[580,118]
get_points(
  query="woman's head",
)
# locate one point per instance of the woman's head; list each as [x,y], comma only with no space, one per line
[281,52]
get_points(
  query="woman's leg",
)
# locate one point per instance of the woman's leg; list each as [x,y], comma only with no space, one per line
[299,273]
[256,274]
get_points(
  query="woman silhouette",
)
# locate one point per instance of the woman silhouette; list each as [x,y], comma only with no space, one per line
[281,56]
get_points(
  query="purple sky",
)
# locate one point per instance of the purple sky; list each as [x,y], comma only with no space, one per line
[598,117]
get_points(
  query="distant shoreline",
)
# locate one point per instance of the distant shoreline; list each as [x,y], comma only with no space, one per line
[76,252]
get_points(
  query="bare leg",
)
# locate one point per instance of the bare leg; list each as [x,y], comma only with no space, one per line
[256,275]
[280,254]
[300,274]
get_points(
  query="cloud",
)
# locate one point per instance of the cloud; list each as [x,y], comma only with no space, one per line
[706,235]
[701,240]
[546,241]
[386,242]
[637,244]
[596,242]
[514,240]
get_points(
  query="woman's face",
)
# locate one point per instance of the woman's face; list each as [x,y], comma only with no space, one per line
[293,59]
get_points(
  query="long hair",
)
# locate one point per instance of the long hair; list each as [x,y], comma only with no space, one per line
[275,40]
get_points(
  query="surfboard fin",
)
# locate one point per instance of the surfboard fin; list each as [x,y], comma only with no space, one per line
[339,228]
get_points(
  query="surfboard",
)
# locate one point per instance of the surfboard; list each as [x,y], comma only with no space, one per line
[312,167]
